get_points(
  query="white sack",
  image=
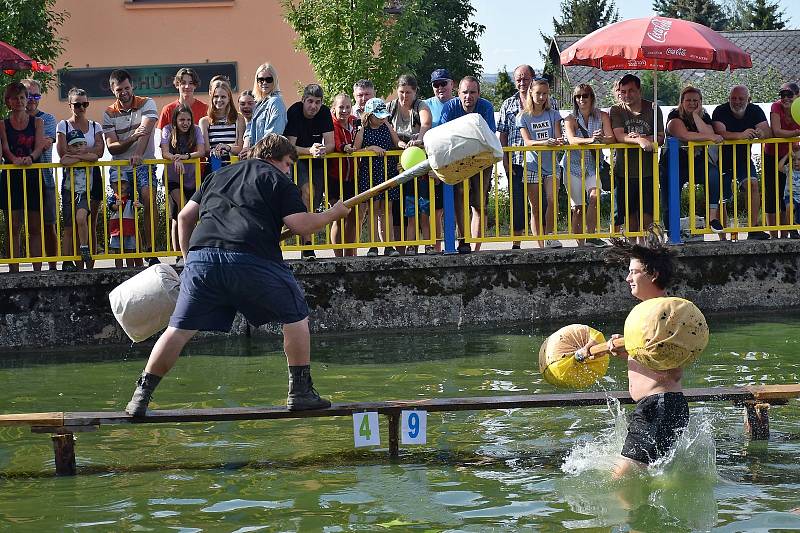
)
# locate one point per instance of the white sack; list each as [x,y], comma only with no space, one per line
[144,303]
[462,147]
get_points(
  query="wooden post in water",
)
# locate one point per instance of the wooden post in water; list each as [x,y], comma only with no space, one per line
[394,433]
[64,448]
[756,419]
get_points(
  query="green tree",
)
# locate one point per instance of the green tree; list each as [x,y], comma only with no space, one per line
[580,17]
[453,43]
[347,40]
[504,86]
[717,85]
[669,87]
[755,15]
[33,26]
[706,12]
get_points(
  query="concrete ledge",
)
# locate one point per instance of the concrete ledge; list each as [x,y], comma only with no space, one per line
[42,309]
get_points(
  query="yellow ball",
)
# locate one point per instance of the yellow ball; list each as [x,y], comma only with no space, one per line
[411,156]
[665,333]
[796,110]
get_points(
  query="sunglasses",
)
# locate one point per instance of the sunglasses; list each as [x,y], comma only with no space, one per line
[785,94]
[266,79]
[582,95]
[35,97]
[78,105]
[440,83]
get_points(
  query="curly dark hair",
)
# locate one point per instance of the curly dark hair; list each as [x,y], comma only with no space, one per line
[655,256]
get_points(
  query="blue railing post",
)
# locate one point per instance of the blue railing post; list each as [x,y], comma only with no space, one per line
[674,191]
[449,219]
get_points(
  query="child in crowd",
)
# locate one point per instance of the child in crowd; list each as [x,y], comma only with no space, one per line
[181,140]
[378,136]
[223,126]
[540,125]
[121,222]
[73,194]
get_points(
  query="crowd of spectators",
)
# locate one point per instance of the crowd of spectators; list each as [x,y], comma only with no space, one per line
[213,131]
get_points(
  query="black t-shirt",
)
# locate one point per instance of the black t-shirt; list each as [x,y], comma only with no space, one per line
[242,208]
[308,130]
[688,122]
[753,116]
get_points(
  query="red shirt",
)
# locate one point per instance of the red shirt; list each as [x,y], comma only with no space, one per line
[342,136]
[199,110]
[787,123]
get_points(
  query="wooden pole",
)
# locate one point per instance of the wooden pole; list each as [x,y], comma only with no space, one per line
[394,434]
[64,448]
[756,420]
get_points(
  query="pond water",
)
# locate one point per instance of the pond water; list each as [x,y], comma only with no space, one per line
[509,470]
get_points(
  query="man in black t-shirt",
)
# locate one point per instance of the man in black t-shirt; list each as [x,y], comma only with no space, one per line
[234,263]
[309,127]
[740,119]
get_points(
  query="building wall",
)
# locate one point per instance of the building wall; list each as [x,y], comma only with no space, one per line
[121,33]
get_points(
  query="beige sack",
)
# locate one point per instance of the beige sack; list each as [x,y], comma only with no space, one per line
[462,148]
[144,303]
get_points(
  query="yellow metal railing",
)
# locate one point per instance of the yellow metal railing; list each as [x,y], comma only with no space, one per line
[766,181]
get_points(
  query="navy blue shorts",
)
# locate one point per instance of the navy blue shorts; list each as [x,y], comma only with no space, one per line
[655,425]
[216,283]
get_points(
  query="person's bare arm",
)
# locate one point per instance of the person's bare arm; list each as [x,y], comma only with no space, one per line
[187,220]
[146,128]
[777,131]
[306,223]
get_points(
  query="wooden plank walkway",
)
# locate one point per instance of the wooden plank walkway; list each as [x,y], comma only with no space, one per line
[756,400]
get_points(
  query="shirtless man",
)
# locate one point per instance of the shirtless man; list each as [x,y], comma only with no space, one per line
[661,411]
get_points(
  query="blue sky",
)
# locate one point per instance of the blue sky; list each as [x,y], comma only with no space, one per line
[512,27]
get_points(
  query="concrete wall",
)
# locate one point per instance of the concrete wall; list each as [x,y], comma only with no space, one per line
[567,285]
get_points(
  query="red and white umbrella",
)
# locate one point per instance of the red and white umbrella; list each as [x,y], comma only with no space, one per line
[655,43]
[13,59]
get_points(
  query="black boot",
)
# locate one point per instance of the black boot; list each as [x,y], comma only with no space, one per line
[145,386]
[302,395]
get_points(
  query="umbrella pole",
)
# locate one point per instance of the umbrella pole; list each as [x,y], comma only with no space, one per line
[655,89]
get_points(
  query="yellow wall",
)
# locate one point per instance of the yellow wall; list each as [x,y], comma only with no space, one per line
[119,33]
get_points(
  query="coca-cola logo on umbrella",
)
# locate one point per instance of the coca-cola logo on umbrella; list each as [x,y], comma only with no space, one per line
[658,30]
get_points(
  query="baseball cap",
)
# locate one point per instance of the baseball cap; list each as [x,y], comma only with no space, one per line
[75,137]
[440,74]
[377,107]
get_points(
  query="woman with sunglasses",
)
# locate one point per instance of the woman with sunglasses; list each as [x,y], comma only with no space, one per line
[586,125]
[22,139]
[783,125]
[87,207]
[269,115]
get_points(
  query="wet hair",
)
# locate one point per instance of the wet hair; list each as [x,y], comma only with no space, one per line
[13,90]
[231,115]
[191,138]
[272,146]
[655,256]
[184,72]
[630,78]
[118,76]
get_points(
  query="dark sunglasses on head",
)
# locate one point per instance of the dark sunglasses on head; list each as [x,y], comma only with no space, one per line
[582,95]
[36,97]
[266,79]
[439,83]
[78,105]
[785,94]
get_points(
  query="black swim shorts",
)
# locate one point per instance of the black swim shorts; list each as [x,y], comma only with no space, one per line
[655,425]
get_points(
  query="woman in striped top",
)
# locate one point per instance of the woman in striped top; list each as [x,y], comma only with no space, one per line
[223,126]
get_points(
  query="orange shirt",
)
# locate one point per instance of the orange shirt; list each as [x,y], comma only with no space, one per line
[199,110]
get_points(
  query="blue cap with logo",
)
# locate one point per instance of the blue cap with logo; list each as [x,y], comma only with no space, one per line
[377,107]
[440,74]
[75,137]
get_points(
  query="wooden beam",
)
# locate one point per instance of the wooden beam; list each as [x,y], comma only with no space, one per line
[33,419]
[64,449]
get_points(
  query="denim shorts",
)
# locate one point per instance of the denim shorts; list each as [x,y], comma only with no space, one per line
[216,283]
[141,172]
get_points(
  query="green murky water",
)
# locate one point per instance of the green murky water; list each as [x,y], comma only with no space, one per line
[510,470]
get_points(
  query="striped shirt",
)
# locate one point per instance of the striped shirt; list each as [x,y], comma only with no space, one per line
[221,132]
[123,122]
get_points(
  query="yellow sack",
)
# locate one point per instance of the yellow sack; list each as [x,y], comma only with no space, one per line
[665,333]
[557,358]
